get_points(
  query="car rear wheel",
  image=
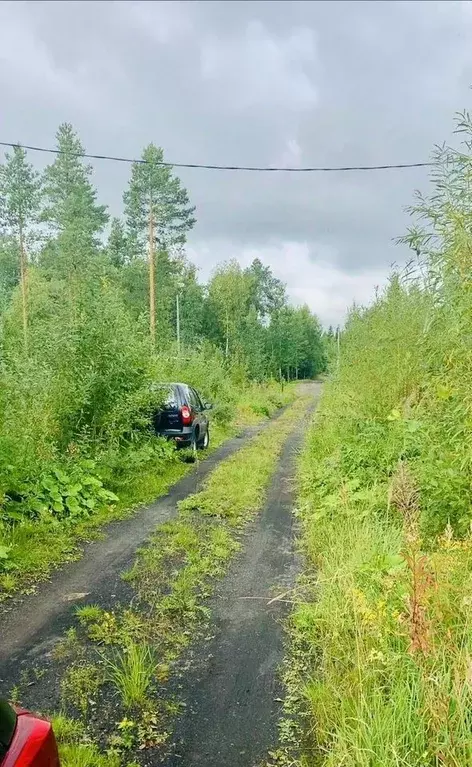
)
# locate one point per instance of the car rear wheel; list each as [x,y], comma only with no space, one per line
[205,441]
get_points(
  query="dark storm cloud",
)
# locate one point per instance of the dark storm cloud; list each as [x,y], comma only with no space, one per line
[250,83]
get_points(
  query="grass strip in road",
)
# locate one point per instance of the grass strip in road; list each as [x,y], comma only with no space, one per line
[119,659]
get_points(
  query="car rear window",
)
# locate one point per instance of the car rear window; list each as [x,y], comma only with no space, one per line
[170,396]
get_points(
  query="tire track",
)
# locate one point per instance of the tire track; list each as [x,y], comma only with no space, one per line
[232,691]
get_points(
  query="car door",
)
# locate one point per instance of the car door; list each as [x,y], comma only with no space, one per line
[193,402]
[202,416]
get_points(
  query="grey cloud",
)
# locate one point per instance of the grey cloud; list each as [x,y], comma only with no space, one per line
[322,83]
[259,70]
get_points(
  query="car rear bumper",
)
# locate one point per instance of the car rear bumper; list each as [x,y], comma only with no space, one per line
[181,436]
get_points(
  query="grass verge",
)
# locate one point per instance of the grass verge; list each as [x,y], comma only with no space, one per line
[379,672]
[119,658]
[30,550]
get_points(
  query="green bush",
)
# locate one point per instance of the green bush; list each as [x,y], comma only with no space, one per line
[61,493]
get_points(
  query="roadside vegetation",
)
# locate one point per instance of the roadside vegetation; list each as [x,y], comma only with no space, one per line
[380,671]
[123,659]
[88,322]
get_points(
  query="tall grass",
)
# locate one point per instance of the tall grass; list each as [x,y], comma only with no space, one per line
[132,672]
[382,641]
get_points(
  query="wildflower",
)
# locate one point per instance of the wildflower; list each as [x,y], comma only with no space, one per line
[376,655]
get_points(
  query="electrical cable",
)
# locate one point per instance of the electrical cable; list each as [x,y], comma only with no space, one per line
[249,168]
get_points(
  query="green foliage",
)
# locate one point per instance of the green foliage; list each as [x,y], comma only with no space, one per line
[80,684]
[67,729]
[247,315]
[381,645]
[117,246]
[9,269]
[63,494]
[70,209]
[267,292]
[76,751]
[295,342]
[87,613]
[228,293]
[86,755]
[20,194]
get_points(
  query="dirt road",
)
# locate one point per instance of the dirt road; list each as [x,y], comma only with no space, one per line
[31,624]
[230,683]
[232,690]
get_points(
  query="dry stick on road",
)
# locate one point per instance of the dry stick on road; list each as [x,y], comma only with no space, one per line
[273,600]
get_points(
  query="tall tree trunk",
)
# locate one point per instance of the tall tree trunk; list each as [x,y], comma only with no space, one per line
[24,286]
[152,289]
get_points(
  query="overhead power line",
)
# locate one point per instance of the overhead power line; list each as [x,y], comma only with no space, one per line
[251,168]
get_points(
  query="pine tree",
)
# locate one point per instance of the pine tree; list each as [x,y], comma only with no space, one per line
[20,194]
[71,210]
[154,189]
[158,213]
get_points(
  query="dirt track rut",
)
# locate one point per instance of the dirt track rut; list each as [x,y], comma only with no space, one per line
[232,692]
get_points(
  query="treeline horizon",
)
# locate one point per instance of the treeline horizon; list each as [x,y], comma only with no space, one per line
[53,227]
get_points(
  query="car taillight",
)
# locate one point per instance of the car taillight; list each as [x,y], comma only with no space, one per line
[187,415]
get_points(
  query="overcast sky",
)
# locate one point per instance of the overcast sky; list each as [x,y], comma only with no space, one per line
[266,83]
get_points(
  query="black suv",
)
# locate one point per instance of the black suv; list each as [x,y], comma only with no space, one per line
[182,416]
